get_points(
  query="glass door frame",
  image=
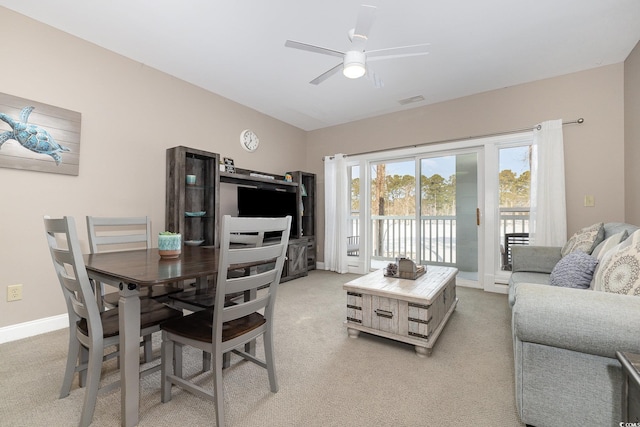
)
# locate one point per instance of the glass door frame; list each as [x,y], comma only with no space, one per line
[361,263]
[488,200]
[480,176]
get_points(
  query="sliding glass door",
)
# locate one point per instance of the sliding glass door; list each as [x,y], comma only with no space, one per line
[433,220]
[392,205]
[449,212]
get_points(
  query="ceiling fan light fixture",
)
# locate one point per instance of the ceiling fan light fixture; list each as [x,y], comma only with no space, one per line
[354,64]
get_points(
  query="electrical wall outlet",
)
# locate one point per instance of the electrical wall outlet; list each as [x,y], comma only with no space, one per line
[14,292]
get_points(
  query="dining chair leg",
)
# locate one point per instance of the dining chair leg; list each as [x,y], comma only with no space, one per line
[206,361]
[93,382]
[73,353]
[177,359]
[167,365]
[99,292]
[226,360]
[148,350]
[83,360]
[218,391]
[268,356]
[118,356]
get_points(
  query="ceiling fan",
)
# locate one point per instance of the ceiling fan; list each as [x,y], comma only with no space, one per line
[354,61]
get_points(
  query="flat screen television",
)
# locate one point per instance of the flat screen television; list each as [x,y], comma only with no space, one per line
[266,203]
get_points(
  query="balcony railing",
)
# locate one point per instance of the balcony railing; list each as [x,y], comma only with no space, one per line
[513,220]
[395,236]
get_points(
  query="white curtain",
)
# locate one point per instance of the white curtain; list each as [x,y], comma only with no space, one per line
[336,199]
[548,216]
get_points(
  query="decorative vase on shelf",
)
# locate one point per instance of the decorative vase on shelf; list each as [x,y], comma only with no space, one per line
[169,245]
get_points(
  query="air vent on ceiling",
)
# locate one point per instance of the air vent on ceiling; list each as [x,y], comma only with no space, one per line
[411,100]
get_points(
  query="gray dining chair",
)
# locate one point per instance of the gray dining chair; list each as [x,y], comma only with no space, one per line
[90,329]
[227,328]
[119,234]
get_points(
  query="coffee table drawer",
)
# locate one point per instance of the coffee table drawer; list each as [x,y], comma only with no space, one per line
[383,315]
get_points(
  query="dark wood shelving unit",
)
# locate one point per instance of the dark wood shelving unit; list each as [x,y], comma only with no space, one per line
[185,201]
[204,196]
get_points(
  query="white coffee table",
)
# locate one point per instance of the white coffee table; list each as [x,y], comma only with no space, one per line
[410,311]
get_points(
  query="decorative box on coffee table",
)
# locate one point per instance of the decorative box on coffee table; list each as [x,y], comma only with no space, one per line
[410,311]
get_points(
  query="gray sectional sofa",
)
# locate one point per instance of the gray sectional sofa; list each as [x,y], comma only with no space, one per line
[565,340]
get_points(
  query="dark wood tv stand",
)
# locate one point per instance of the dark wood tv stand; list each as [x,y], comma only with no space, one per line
[183,200]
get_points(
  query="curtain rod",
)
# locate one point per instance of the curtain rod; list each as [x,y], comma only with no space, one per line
[538,127]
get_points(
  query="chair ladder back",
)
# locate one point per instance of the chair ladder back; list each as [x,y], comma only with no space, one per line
[245,283]
[260,255]
[108,231]
[242,309]
[71,272]
[253,254]
[255,239]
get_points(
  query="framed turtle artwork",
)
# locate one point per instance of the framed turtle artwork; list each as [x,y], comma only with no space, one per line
[38,137]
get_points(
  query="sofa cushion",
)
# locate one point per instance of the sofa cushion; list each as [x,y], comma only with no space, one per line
[574,271]
[611,228]
[619,271]
[608,244]
[525,277]
[585,239]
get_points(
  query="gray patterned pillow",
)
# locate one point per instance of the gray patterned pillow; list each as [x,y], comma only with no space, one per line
[584,240]
[619,270]
[574,271]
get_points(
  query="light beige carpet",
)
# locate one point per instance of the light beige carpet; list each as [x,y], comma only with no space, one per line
[325,377]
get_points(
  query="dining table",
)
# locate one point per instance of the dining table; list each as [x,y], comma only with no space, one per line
[130,271]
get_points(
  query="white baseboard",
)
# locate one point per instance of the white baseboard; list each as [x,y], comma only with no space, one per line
[32,328]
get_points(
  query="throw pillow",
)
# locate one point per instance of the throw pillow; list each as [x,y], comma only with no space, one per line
[608,243]
[574,271]
[619,270]
[584,240]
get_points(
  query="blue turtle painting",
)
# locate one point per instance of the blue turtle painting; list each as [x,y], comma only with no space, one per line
[30,136]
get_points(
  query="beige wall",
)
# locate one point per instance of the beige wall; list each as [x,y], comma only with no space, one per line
[632,134]
[130,115]
[594,151]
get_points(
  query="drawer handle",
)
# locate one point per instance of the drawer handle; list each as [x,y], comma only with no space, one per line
[384,313]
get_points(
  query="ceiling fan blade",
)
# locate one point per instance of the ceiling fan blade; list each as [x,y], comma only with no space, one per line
[398,52]
[364,22]
[373,77]
[324,76]
[313,48]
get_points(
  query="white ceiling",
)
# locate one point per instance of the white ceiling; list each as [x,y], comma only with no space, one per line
[236,48]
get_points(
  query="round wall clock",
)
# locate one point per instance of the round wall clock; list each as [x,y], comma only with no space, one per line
[249,140]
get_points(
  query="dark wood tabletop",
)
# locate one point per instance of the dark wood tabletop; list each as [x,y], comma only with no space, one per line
[145,267]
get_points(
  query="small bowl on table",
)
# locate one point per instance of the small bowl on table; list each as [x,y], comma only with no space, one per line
[193,242]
